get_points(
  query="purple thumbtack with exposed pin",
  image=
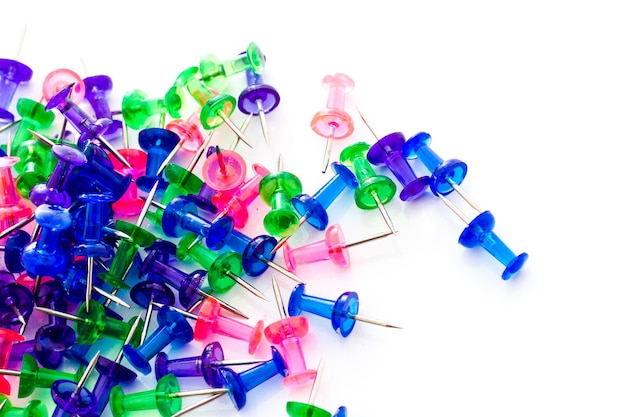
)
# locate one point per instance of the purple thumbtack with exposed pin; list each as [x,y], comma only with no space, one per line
[206,365]
[72,398]
[388,151]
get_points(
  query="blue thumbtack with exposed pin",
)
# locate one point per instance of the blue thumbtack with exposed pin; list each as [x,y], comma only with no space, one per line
[343,313]
[446,177]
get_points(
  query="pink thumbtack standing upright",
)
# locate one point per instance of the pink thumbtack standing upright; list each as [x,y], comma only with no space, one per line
[334,122]
[287,334]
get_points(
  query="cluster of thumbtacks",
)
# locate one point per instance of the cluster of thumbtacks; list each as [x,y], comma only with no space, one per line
[75,187]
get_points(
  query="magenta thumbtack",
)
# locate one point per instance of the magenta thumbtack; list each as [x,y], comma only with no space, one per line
[61,78]
[333,247]
[224,170]
[211,320]
[235,204]
[287,333]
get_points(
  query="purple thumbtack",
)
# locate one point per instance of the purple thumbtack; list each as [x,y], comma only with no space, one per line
[97,89]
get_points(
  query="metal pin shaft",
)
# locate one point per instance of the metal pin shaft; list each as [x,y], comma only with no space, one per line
[111,297]
[282,270]
[384,213]
[183,312]
[129,337]
[146,206]
[234,128]
[369,126]
[327,149]
[169,157]
[263,121]
[195,393]
[197,405]
[85,375]
[59,314]
[464,195]
[146,323]
[246,285]
[89,283]
[316,381]
[17,225]
[243,128]
[367,239]
[455,209]
[369,320]
[201,150]
[279,298]
[10,125]
[284,239]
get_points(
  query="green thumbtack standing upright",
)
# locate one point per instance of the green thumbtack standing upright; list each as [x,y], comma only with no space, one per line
[277,189]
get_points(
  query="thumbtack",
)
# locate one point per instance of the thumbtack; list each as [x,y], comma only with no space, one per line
[224,170]
[206,365]
[312,209]
[258,99]
[12,74]
[33,376]
[164,398]
[212,321]
[334,122]
[173,96]
[256,254]
[138,110]
[239,384]
[216,108]
[235,204]
[373,190]
[333,247]
[287,333]
[222,269]
[308,409]
[71,397]
[173,327]
[277,190]
[388,151]
[88,128]
[446,177]
[215,72]
[95,325]
[112,373]
[343,312]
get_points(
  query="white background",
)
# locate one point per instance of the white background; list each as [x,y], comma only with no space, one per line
[529,94]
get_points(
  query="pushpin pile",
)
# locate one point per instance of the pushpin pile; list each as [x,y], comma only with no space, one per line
[73,214]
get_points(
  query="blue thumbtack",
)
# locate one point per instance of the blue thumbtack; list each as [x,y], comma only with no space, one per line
[446,177]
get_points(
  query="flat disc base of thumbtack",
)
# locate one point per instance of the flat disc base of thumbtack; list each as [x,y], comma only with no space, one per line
[514,266]
[333,122]
[298,409]
[414,189]
[300,378]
